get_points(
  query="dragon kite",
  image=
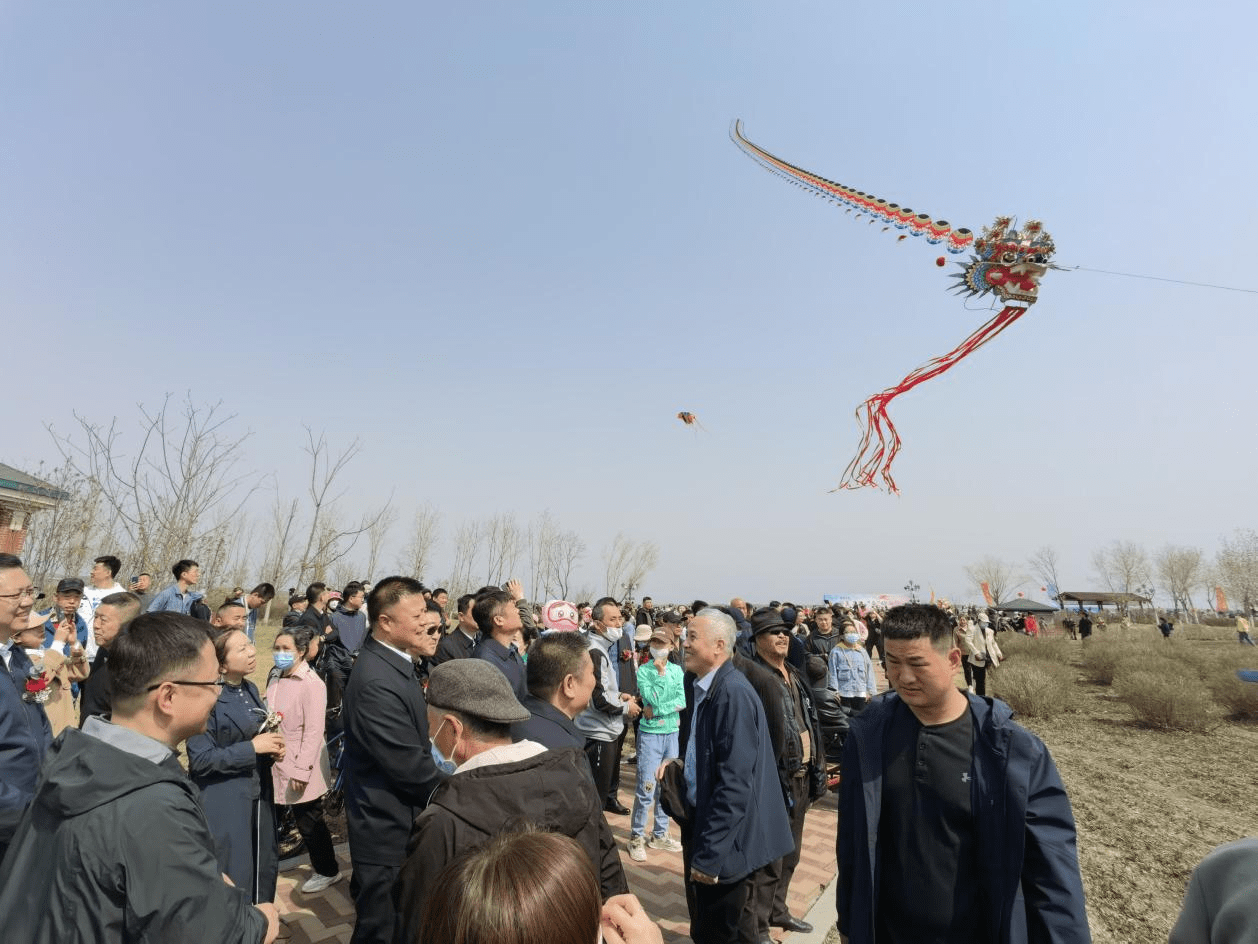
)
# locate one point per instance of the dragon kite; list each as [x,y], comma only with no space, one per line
[1007,262]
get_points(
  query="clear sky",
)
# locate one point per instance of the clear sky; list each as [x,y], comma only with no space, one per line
[505,243]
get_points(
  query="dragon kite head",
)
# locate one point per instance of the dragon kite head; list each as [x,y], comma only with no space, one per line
[1009,262]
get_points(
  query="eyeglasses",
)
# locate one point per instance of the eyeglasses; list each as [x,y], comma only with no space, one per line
[217,683]
[31,592]
[777,632]
[434,630]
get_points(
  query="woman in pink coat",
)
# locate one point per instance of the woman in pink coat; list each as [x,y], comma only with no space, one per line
[302,775]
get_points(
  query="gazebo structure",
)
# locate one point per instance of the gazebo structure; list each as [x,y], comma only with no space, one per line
[22,495]
[1119,601]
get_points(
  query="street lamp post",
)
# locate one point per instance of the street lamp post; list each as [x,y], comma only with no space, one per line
[912,588]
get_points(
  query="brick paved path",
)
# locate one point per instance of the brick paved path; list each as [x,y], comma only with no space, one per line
[329,915]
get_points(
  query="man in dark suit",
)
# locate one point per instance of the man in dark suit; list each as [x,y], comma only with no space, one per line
[560,676]
[24,729]
[390,771]
[739,820]
[460,642]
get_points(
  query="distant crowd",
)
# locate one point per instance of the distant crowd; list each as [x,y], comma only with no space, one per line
[478,753]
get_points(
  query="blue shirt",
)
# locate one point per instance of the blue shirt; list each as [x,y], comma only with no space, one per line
[173,601]
[692,777]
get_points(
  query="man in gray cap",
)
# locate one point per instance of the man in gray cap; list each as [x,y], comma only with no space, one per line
[496,784]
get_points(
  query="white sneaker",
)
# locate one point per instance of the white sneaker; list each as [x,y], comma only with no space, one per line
[667,843]
[637,849]
[317,883]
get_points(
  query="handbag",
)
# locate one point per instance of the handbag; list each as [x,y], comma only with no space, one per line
[672,793]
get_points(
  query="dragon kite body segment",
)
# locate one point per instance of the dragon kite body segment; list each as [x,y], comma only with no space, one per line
[1007,262]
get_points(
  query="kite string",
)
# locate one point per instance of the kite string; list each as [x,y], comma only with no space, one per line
[1158,278]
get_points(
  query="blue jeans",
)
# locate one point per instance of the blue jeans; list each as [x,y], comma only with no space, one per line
[653,749]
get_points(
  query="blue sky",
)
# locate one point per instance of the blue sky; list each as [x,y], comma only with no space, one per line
[505,245]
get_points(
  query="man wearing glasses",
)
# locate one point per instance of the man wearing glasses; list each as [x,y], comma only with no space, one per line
[24,729]
[125,854]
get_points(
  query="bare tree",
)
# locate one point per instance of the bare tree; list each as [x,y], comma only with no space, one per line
[63,538]
[1237,564]
[417,555]
[626,565]
[1123,565]
[466,551]
[1180,570]
[553,553]
[278,562]
[170,493]
[1045,563]
[327,539]
[377,534]
[503,541]
[1000,576]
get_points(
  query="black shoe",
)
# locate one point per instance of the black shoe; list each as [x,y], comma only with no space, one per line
[793,923]
[631,759]
[615,806]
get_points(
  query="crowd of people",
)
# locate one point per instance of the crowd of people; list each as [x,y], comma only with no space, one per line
[482,754]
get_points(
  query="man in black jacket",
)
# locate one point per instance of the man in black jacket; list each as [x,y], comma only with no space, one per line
[561,679]
[112,616]
[125,854]
[460,642]
[390,772]
[801,770]
[471,709]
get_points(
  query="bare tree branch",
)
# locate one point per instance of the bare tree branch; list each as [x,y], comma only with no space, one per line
[1000,576]
[417,555]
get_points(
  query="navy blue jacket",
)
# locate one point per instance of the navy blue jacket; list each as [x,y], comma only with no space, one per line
[389,769]
[741,821]
[24,738]
[1027,857]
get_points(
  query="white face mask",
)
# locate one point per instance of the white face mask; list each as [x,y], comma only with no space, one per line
[659,653]
[613,633]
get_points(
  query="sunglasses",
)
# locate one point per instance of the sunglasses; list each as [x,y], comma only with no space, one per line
[434,630]
[777,632]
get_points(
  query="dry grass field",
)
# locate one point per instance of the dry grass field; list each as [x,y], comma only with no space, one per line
[1149,802]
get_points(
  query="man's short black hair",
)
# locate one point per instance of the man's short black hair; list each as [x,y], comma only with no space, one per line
[265,591]
[180,568]
[917,620]
[597,610]
[155,647]
[388,592]
[111,562]
[441,590]
[466,601]
[487,605]
[10,562]
[552,658]
[126,603]
[314,590]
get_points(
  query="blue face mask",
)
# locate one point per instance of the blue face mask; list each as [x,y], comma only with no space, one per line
[851,638]
[445,765]
[284,660]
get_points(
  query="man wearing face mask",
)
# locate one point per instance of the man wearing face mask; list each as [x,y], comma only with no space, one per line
[603,720]
[471,709]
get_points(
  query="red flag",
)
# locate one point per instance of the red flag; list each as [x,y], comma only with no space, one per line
[1220,600]
[987,593]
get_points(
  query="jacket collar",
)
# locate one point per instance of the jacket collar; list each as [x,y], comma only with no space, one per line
[404,665]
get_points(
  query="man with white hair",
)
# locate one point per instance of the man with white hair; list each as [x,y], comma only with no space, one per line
[738,821]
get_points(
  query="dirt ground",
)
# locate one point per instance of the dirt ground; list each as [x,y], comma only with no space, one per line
[1149,805]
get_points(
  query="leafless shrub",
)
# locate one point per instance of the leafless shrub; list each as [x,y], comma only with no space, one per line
[1168,702]
[1036,688]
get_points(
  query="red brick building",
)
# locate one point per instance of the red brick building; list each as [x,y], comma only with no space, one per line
[21,495]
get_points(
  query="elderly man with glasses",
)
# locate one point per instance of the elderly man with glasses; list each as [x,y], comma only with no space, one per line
[24,729]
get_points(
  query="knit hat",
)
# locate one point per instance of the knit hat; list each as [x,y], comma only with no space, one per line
[560,615]
[474,687]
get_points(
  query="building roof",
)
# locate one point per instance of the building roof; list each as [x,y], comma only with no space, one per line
[1104,599]
[15,480]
